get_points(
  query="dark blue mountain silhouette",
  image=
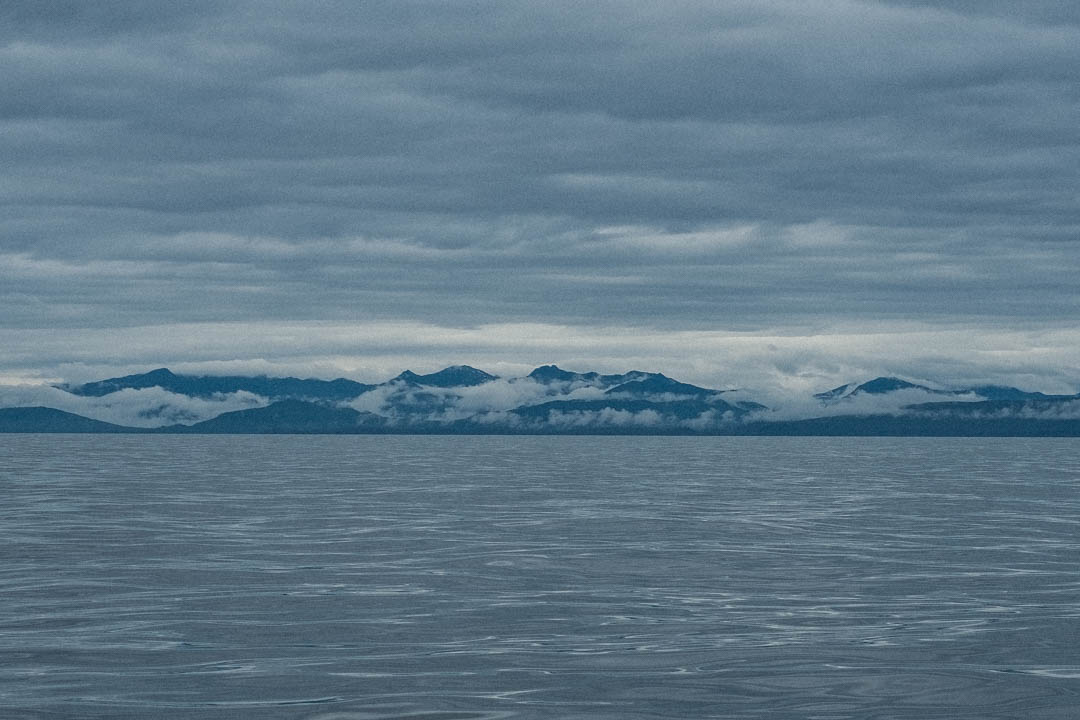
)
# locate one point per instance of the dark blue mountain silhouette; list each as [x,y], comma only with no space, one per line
[297,417]
[999,399]
[877,386]
[659,384]
[882,385]
[835,394]
[553,374]
[204,386]
[632,403]
[1000,392]
[454,376]
[287,417]
[49,420]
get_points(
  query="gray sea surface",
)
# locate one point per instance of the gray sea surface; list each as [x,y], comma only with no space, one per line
[479,578]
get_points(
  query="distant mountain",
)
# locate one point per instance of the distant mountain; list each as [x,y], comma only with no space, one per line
[553,373]
[997,400]
[877,386]
[549,400]
[883,385]
[659,385]
[205,386]
[989,410]
[1002,393]
[548,374]
[455,376]
[286,417]
[48,420]
[836,393]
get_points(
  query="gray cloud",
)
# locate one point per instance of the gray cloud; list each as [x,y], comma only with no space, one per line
[772,367]
[774,167]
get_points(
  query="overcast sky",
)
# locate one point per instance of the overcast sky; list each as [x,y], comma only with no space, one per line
[768,194]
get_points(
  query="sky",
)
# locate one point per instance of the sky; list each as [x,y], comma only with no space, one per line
[776,195]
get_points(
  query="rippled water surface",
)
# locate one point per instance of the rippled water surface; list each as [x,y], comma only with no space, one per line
[436,578]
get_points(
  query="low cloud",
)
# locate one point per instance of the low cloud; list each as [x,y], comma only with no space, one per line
[612,418]
[146,407]
[607,417]
[1068,410]
[893,403]
[1028,410]
[449,404]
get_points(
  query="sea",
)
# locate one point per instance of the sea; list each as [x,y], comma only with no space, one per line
[483,578]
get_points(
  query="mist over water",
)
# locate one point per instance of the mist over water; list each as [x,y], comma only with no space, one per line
[460,578]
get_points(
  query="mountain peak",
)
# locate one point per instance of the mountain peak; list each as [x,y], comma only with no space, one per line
[555,401]
[877,386]
[882,385]
[453,376]
[209,386]
[658,383]
[834,394]
[158,377]
[554,373]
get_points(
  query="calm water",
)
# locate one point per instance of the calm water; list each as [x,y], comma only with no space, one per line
[432,578]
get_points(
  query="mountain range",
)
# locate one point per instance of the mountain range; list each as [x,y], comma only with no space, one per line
[549,400]
[206,386]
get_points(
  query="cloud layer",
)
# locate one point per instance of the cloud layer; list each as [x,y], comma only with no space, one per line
[148,407]
[302,173]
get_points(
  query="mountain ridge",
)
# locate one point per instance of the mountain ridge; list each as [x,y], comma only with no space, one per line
[205,386]
[453,376]
[37,419]
[549,400]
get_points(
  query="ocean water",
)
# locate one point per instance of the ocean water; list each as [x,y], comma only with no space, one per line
[461,578]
